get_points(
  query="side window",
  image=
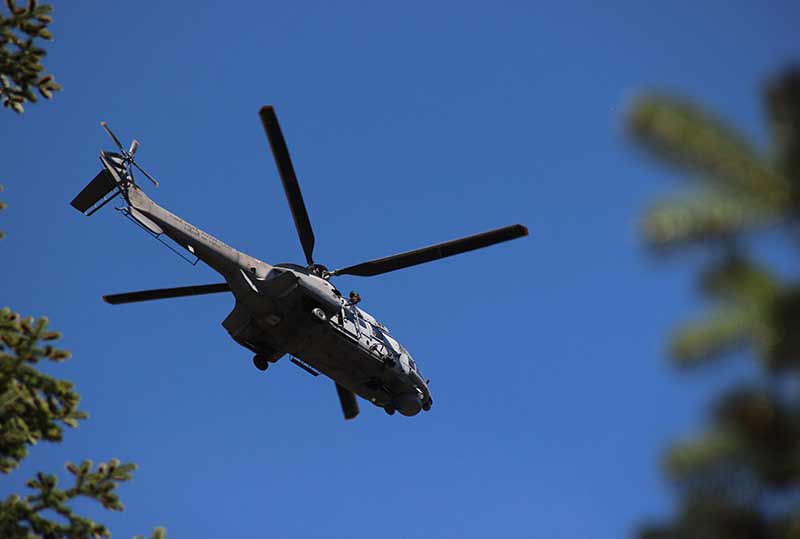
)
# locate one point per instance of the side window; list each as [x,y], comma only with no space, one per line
[393,343]
[350,324]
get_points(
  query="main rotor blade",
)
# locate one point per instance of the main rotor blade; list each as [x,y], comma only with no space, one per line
[290,186]
[166,293]
[348,402]
[434,252]
[113,137]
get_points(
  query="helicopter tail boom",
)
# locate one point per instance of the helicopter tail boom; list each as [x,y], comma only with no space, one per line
[116,179]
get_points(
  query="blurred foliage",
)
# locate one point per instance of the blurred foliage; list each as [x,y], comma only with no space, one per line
[33,407]
[21,71]
[741,477]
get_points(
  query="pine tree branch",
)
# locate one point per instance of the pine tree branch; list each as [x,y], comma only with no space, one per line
[699,218]
[740,477]
[683,135]
[35,406]
[782,104]
[21,70]
[27,516]
[715,336]
[737,278]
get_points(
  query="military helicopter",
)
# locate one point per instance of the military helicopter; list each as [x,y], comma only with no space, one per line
[287,308]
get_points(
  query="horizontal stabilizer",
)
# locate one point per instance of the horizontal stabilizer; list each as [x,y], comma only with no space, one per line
[99,187]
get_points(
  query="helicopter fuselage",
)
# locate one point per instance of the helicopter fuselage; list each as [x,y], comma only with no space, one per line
[293,311]
[289,309]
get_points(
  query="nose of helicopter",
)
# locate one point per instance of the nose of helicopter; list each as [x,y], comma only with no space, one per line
[425,400]
[407,403]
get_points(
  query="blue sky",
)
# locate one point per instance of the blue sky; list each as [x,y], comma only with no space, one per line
[408,124]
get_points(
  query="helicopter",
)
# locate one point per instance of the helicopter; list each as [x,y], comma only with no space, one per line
[287,309]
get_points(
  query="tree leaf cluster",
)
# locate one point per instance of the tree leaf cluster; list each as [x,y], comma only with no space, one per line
[36,407]
[33,406]
[740,477]
[30,516]
[22,74]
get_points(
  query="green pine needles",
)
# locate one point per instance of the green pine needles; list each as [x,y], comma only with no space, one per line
[22,74]
[33,405]
[37,407]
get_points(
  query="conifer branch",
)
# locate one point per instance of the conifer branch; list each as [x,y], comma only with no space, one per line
[22,74]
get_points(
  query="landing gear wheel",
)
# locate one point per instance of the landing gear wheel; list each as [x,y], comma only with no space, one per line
[427,405]
[261,362]
[319,314]
[389,410]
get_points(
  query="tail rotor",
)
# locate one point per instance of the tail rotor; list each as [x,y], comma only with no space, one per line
[127,155]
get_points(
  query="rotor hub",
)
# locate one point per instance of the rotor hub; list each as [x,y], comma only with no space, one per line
[320,271]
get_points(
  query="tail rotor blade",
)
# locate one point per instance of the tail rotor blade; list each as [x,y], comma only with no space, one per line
[143,171]
[348,401]
[113,137]
[126,159]
[134,146]
[290,185]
